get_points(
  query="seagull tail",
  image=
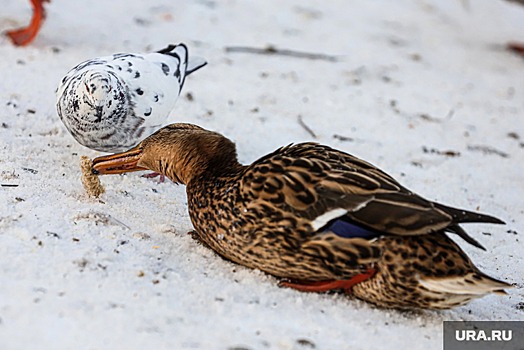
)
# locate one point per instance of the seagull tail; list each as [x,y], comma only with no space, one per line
[195,63]
[180,52]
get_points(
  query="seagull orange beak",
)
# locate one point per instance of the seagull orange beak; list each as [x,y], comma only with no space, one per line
[118,163]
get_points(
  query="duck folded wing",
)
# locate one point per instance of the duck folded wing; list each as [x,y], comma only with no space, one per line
[324,186]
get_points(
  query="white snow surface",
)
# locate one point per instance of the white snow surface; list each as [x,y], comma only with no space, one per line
[414,79]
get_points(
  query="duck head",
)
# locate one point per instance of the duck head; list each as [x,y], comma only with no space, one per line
[182,152]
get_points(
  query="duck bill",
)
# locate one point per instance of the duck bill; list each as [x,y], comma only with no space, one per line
[118,163]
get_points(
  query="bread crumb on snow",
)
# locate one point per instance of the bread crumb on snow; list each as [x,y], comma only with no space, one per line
[90,181]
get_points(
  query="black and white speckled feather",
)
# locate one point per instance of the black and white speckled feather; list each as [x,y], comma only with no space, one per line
[111,103]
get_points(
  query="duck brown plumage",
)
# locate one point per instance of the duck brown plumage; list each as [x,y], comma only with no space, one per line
[317,218]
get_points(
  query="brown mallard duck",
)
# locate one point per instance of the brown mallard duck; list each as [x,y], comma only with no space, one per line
[318,218]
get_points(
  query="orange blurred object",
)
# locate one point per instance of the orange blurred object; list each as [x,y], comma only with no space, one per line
[517,47]
[24,36]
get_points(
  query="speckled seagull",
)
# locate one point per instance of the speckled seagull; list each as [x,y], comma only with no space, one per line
[318,218]
[111,103]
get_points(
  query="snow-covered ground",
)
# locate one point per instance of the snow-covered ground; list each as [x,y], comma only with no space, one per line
[423,89]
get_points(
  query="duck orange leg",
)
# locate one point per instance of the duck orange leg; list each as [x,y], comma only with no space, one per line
[24,36]
[324,286]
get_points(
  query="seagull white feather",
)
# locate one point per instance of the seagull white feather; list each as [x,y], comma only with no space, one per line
[111,103]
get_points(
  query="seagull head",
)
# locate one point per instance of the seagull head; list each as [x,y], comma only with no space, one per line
[103,95]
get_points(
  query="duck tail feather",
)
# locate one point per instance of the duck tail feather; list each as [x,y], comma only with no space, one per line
[465,236]
[463,216]
[474,283]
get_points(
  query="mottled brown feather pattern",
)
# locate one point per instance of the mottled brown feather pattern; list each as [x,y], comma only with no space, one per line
[263,216]
[318,178]
[406,260]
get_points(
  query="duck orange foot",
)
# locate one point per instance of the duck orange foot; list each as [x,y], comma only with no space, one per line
[324,286]
[24,36]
